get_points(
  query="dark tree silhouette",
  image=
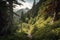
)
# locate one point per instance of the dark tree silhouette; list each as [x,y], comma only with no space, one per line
[6,15]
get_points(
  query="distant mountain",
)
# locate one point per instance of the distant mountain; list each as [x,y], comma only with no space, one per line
[19,12]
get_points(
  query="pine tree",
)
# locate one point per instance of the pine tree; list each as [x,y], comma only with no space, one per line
[6,15]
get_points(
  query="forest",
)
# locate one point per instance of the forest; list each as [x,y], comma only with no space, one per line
[41,22]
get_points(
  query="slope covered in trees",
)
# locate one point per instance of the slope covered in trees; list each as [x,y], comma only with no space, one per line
[43,20]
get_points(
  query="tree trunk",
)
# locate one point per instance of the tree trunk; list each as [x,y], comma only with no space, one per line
[3,17]
[54,17]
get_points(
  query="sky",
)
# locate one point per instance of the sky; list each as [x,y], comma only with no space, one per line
[26,4]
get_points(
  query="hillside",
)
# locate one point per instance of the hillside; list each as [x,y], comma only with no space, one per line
[43,20]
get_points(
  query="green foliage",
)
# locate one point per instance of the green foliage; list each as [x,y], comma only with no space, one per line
[49,32]
[41,27]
